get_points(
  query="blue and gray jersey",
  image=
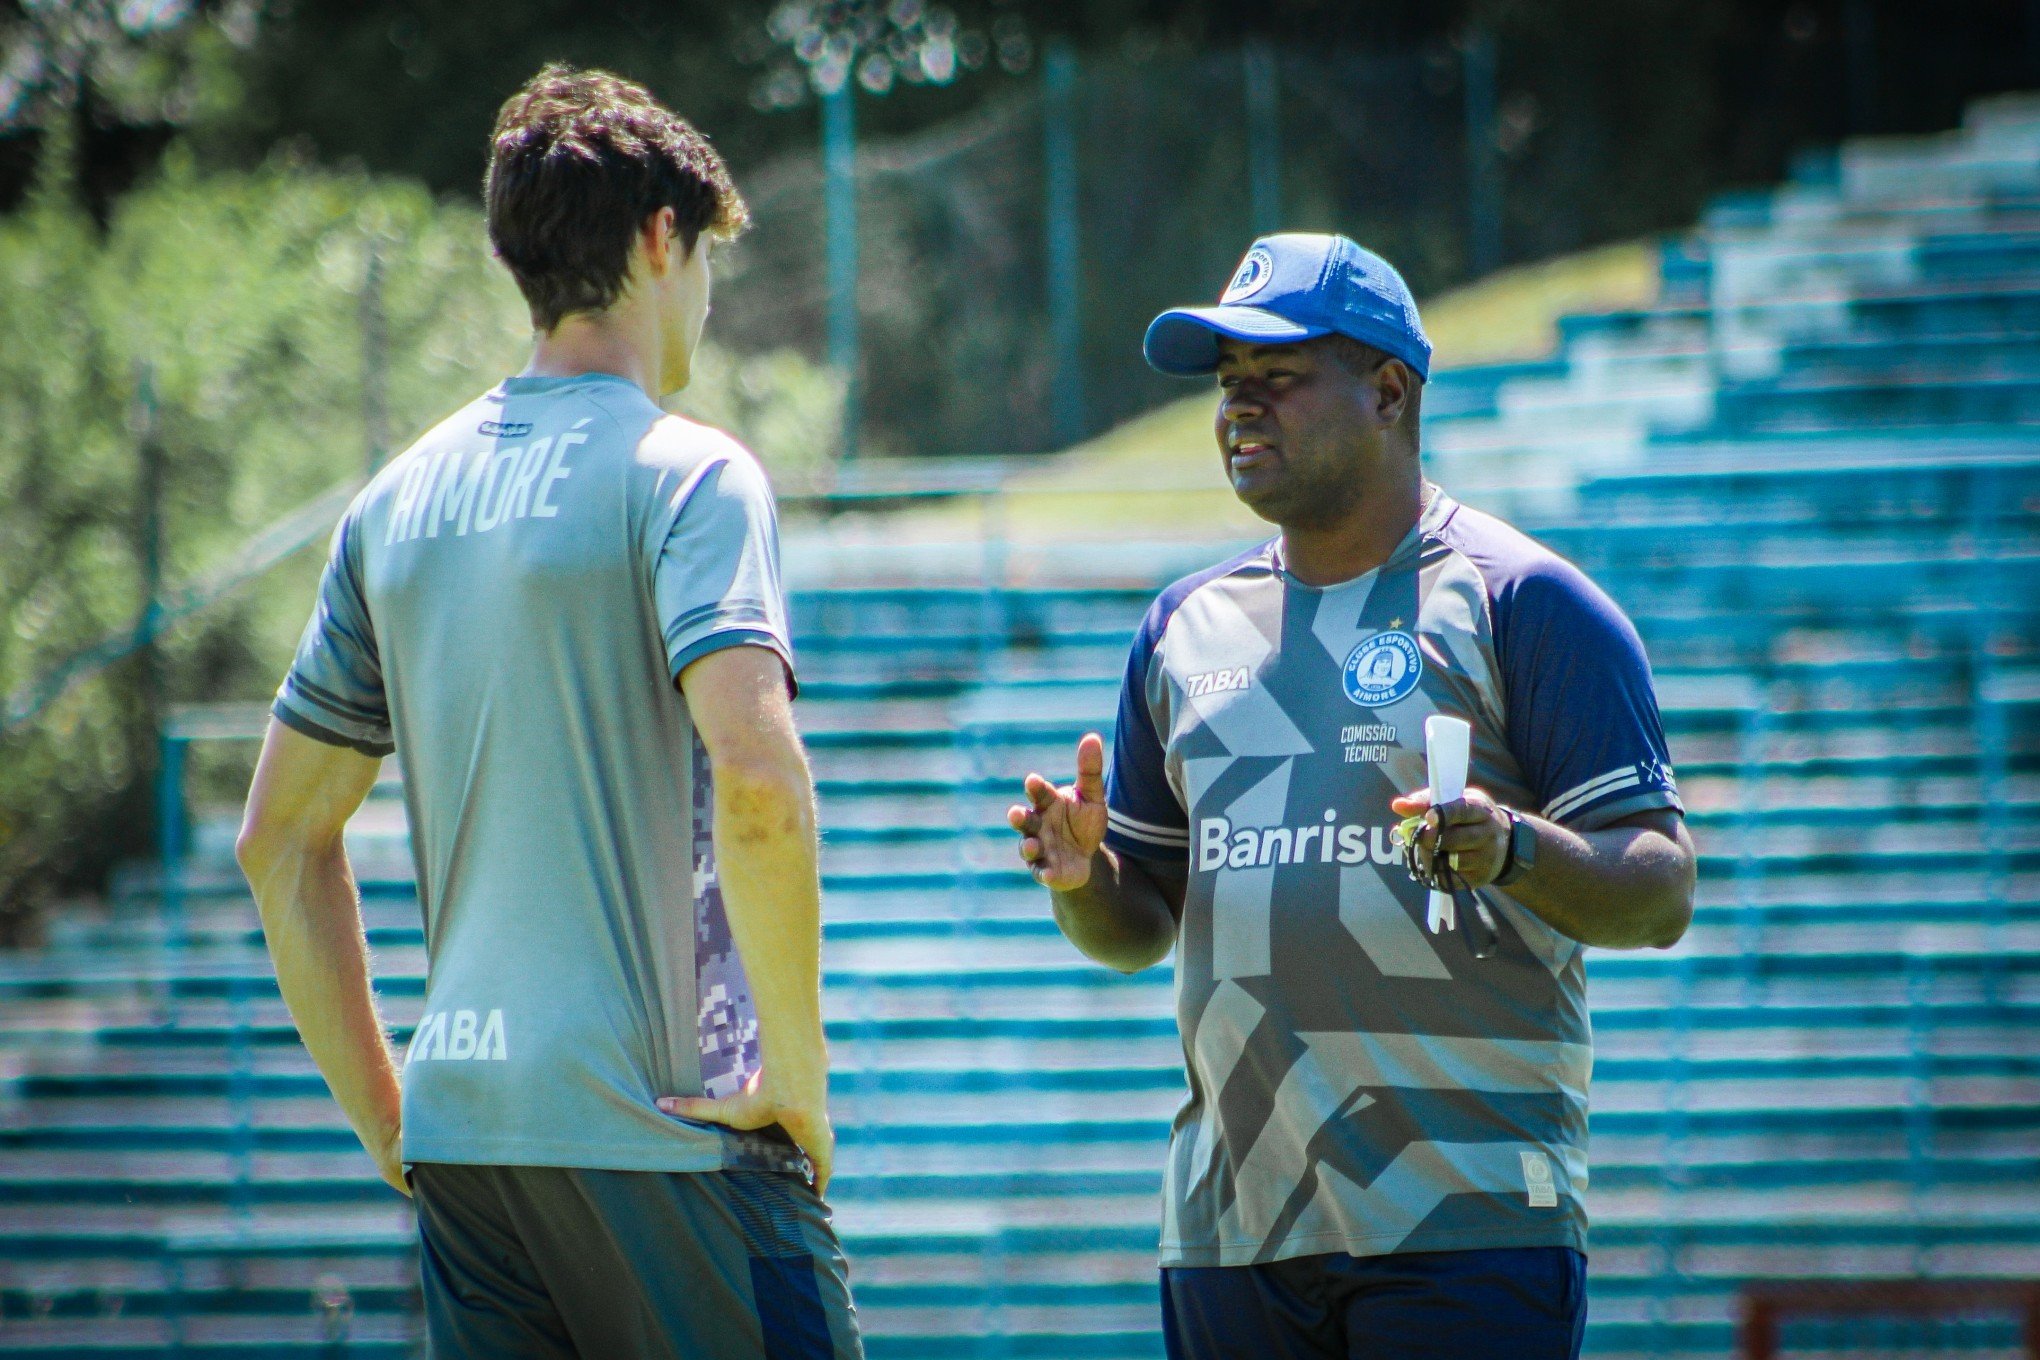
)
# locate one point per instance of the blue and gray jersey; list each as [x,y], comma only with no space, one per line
[507,606]
[1357,1083]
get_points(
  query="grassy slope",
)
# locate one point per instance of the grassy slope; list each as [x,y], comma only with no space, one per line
[1157,476]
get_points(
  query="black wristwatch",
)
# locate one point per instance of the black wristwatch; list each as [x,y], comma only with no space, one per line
[1522,849]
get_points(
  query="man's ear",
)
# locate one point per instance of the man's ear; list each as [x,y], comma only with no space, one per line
[661,243]
[1393,384]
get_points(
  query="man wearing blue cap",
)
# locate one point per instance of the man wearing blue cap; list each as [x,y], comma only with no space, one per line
[1383,1150]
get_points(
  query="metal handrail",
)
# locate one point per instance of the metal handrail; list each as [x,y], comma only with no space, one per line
[279,540]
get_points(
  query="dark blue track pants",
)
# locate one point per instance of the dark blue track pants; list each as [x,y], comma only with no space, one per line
[1523,1303]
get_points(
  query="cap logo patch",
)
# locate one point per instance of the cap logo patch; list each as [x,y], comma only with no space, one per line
[1252,276]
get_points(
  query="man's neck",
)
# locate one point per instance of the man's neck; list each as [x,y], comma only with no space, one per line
[616,341]
[1365,538]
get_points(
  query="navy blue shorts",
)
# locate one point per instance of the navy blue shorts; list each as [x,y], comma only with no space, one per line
[1526,1303]
[551,1263]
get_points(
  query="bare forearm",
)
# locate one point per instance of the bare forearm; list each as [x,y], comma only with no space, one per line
[1120,917]
[1627,887]
[767,863]
[311,917]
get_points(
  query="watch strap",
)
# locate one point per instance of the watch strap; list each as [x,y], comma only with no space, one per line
[1522,849]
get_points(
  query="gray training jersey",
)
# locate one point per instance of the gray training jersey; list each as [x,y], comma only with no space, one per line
[1357,1083]
[507,606]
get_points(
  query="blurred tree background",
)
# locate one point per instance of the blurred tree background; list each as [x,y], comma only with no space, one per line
[241,255]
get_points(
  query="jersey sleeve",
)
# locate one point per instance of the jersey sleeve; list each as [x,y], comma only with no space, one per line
[334,691]
[1581,709]
[1144,817]
[716,580]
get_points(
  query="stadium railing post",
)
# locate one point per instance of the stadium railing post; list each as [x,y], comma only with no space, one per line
[1756,703]
[1065,263]
[839,168]
[1264,134]
[868,1158]
[1483,164]
[1986,496]
[172,748]
[1675,1169]
[1919,1113]
[374,320]
[335,1303]
[995,1342]
[241,1097]
[994,566]
[1759,1330]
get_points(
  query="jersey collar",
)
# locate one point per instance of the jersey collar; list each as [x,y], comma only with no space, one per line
[1438,511]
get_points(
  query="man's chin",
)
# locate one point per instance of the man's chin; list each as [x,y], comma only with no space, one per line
[1265,502]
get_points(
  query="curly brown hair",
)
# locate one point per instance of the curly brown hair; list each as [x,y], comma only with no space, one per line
[579,160]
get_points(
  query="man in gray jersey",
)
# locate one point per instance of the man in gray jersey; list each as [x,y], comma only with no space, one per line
[1383,1149]
[563,608]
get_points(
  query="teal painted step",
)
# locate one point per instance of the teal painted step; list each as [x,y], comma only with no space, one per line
[25,1346]
[1833,477]
[937,1081]
[1956,308]
[1458,393]
[1968,538]
[1939,609]
[1863,962]
[1476,393]
[1009,717]
[979,1344]
[248,1299]
[1917,400]
[194,980]
[1933,1017]
[1695,1172]
[40,1247]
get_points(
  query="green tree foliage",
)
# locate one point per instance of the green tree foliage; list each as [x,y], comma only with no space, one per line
[235,301]
[788,410]
[226,321]
[1611,118]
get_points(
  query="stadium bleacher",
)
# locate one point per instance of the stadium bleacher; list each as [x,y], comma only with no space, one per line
[1811,472]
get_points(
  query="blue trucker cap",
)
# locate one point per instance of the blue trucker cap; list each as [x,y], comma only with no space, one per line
[1296,286]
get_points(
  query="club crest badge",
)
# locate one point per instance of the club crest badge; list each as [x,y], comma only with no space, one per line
[1383,669]
[1253,275]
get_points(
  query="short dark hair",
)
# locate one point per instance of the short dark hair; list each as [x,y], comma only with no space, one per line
[579,160]
[1361,358]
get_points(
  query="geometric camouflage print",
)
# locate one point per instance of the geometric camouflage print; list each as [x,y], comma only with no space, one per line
[1358,1084]
[728,1024]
